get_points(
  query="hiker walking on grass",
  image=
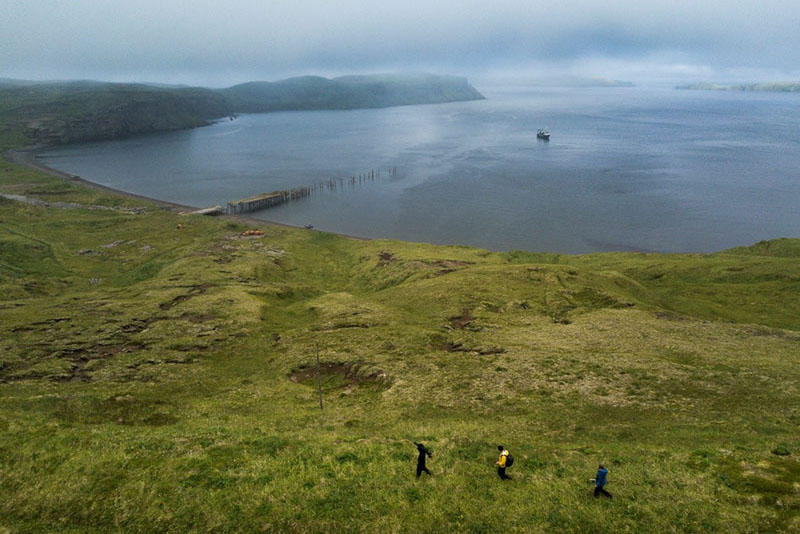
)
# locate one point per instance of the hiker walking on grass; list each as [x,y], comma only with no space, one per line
[600,482]
[423,452]
[505,461]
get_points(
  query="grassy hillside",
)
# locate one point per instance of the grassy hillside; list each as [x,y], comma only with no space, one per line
[72,112]
[349,92]
[157,378]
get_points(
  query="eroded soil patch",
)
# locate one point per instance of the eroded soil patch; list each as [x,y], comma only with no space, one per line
[337,375]
[459,347]
[197,317]
[195,290]
[81,356]
[386,258]
[461,321]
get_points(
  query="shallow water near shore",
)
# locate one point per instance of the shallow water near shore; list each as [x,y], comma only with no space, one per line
[645,169]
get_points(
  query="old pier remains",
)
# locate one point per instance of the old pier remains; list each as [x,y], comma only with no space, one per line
[268,200]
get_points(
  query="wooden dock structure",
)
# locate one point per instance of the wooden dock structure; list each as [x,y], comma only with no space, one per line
[267,200]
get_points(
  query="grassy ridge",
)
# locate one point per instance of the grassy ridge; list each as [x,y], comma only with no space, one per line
[79,111]
[73,112]
[349,92]
[162,379]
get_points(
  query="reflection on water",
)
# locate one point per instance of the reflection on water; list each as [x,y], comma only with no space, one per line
[625,169]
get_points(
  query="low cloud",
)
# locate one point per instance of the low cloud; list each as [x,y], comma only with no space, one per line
[215,43]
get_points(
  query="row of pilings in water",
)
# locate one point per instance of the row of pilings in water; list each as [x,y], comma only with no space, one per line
[275,198]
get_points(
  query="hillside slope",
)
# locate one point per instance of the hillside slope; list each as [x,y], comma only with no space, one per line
[164,378]
[349,92]
[73,112]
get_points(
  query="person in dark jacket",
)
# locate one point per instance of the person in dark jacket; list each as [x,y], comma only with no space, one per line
[423,452]
[600,482]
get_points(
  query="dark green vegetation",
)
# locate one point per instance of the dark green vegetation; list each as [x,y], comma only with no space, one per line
[775,87]
[157,379]
[69,112]
[349,92]
[86,111]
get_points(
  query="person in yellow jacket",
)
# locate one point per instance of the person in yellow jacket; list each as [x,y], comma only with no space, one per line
[502,463]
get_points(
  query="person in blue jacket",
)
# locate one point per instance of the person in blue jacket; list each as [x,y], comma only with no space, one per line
[600,482]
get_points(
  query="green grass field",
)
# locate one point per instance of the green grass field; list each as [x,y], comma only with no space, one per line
[163,379]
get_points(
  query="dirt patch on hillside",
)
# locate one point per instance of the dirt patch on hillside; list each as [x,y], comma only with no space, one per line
[194,290]
[461,321]
[82,356]
[385,258]
[197,317]
[335,375]
[459,347]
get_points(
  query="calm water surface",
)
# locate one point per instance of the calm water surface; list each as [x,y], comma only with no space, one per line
[626,169]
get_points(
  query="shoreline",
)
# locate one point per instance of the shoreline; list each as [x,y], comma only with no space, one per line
[26,157]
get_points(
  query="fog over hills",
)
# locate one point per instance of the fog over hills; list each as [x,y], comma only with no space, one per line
[218,45]
[771,87]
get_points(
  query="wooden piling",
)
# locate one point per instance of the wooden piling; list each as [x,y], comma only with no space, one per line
[267,200]
[275,198]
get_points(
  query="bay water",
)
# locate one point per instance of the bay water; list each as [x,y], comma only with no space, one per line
[626,169]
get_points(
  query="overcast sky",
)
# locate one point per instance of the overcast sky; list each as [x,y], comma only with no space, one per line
[219,43]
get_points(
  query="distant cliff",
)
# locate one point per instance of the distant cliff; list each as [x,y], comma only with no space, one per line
[69,112]
[778,87]
[349,92]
